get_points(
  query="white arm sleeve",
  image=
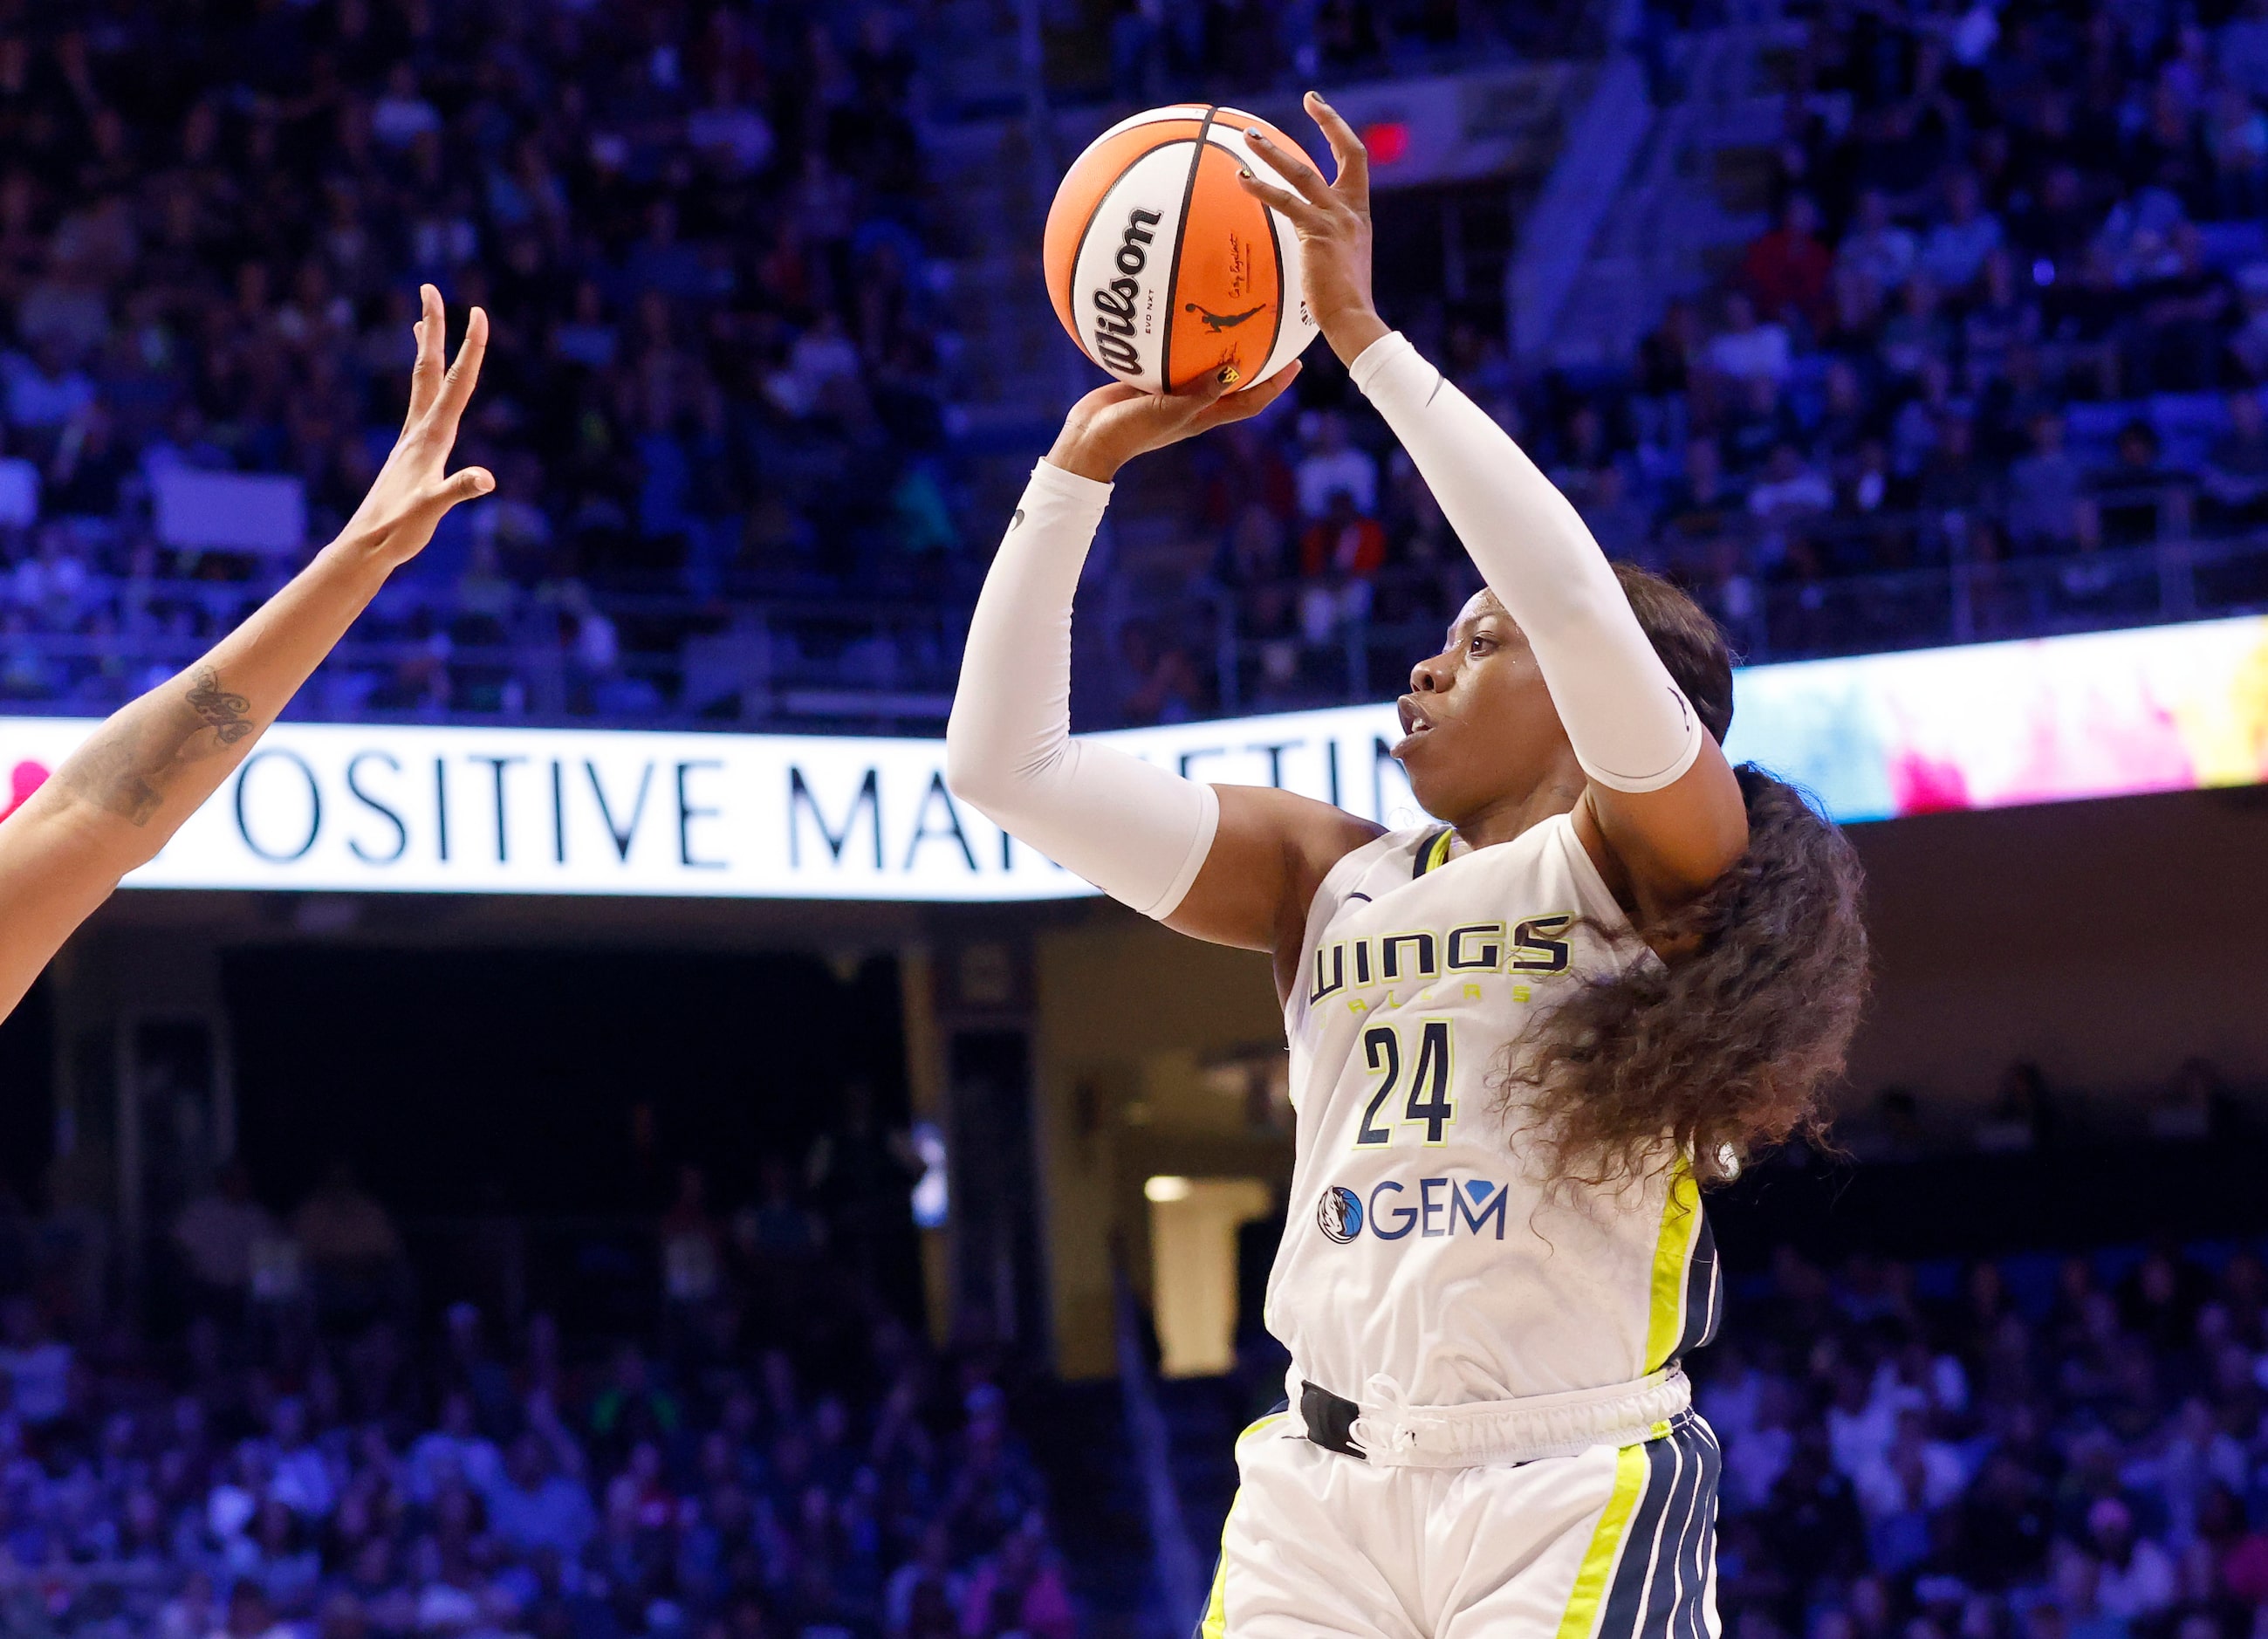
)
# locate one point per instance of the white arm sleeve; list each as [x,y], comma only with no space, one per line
[1631,726]
[1134,830]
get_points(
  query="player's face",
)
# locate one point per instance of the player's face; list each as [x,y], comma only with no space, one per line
[1478,725]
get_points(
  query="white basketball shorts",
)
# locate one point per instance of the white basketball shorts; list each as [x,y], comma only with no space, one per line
[1612,1543]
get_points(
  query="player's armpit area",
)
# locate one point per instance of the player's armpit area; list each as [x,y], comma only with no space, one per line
[1660,850]
[1270,852]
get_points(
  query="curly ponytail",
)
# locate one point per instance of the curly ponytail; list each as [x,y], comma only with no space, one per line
[1728,1043]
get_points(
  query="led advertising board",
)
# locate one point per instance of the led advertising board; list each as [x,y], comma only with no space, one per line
[381,807]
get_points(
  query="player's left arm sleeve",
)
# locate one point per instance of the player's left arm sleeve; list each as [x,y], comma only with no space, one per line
[1136,832]
[1631,726]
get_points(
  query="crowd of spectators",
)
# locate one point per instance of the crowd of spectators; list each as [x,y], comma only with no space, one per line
[2024,1450]
[698,229]
[1163,50]
[2008,327]
[782,1457]
[2011,316]
[2033,1447]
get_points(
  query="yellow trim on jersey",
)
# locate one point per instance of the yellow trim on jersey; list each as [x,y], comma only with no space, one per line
[1673,1249]
[1438,855]
[1215,1625]
[1255,1426]
[1582,1612]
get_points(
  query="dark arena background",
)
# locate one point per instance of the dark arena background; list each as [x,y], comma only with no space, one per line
[586,1137]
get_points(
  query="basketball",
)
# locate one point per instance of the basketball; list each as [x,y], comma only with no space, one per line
[1163,268]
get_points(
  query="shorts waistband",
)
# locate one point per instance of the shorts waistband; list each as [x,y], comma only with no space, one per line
[1393,1434]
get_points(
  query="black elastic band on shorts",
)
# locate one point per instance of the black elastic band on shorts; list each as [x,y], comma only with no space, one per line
[1330,1419]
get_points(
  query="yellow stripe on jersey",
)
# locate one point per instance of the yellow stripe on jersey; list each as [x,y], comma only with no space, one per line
[1257,1424]
[1433,851]
[1582,1612]
[1215,1625]
[1438,855]
[1673,1249]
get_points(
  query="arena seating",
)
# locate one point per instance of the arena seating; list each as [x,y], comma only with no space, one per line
[1920,1446]
[1981,356]
[715,370]
[1905,328]
[774,1452]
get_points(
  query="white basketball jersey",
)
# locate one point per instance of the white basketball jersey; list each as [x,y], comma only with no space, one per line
[1422,1244]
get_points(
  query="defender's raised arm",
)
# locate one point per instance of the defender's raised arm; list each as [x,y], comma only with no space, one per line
[121,796]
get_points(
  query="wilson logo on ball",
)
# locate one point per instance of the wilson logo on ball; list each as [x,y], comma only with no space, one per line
[1113,347]
[1162,267]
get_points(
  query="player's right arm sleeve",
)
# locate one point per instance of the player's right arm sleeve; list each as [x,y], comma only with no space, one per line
[1136,832]
[1631,726]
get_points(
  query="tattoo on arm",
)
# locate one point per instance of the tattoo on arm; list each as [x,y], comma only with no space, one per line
[223,712]
[127,767]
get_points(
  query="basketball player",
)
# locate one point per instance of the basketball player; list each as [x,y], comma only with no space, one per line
[1522,1038]
[116,800]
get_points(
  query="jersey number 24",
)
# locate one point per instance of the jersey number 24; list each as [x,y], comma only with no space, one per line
[1427,1102]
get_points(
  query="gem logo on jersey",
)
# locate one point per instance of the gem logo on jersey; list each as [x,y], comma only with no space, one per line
[1437,1208]
[1339,1214]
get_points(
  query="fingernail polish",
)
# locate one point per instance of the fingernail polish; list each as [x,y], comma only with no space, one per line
[1245,172]
[1254,132]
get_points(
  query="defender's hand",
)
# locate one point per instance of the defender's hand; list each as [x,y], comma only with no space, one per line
[1112,424]
[414,490]
[1333,222]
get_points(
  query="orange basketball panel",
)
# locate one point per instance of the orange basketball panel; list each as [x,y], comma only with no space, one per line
[1082,190]
[1229,295]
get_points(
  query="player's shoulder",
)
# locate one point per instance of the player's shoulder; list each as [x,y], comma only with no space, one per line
[1399,855]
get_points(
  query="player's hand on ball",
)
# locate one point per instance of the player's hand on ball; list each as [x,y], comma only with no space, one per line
[1333,222]
[1112,424]
[414,489]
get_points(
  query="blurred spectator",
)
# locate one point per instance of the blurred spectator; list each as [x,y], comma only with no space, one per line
[1786,270]
[1161,682]
[352,1248]
[36,1366]
[2237,476]
[2047,491]
[1876,249]
[536,1507]
[1747,348]
[1954,252]
[1341,543]
[1334,467]
[216,1233]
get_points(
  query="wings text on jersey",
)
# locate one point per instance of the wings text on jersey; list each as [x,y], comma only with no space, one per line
[1535,946]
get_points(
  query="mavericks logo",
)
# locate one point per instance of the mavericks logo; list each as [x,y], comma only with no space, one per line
[1436,1209]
